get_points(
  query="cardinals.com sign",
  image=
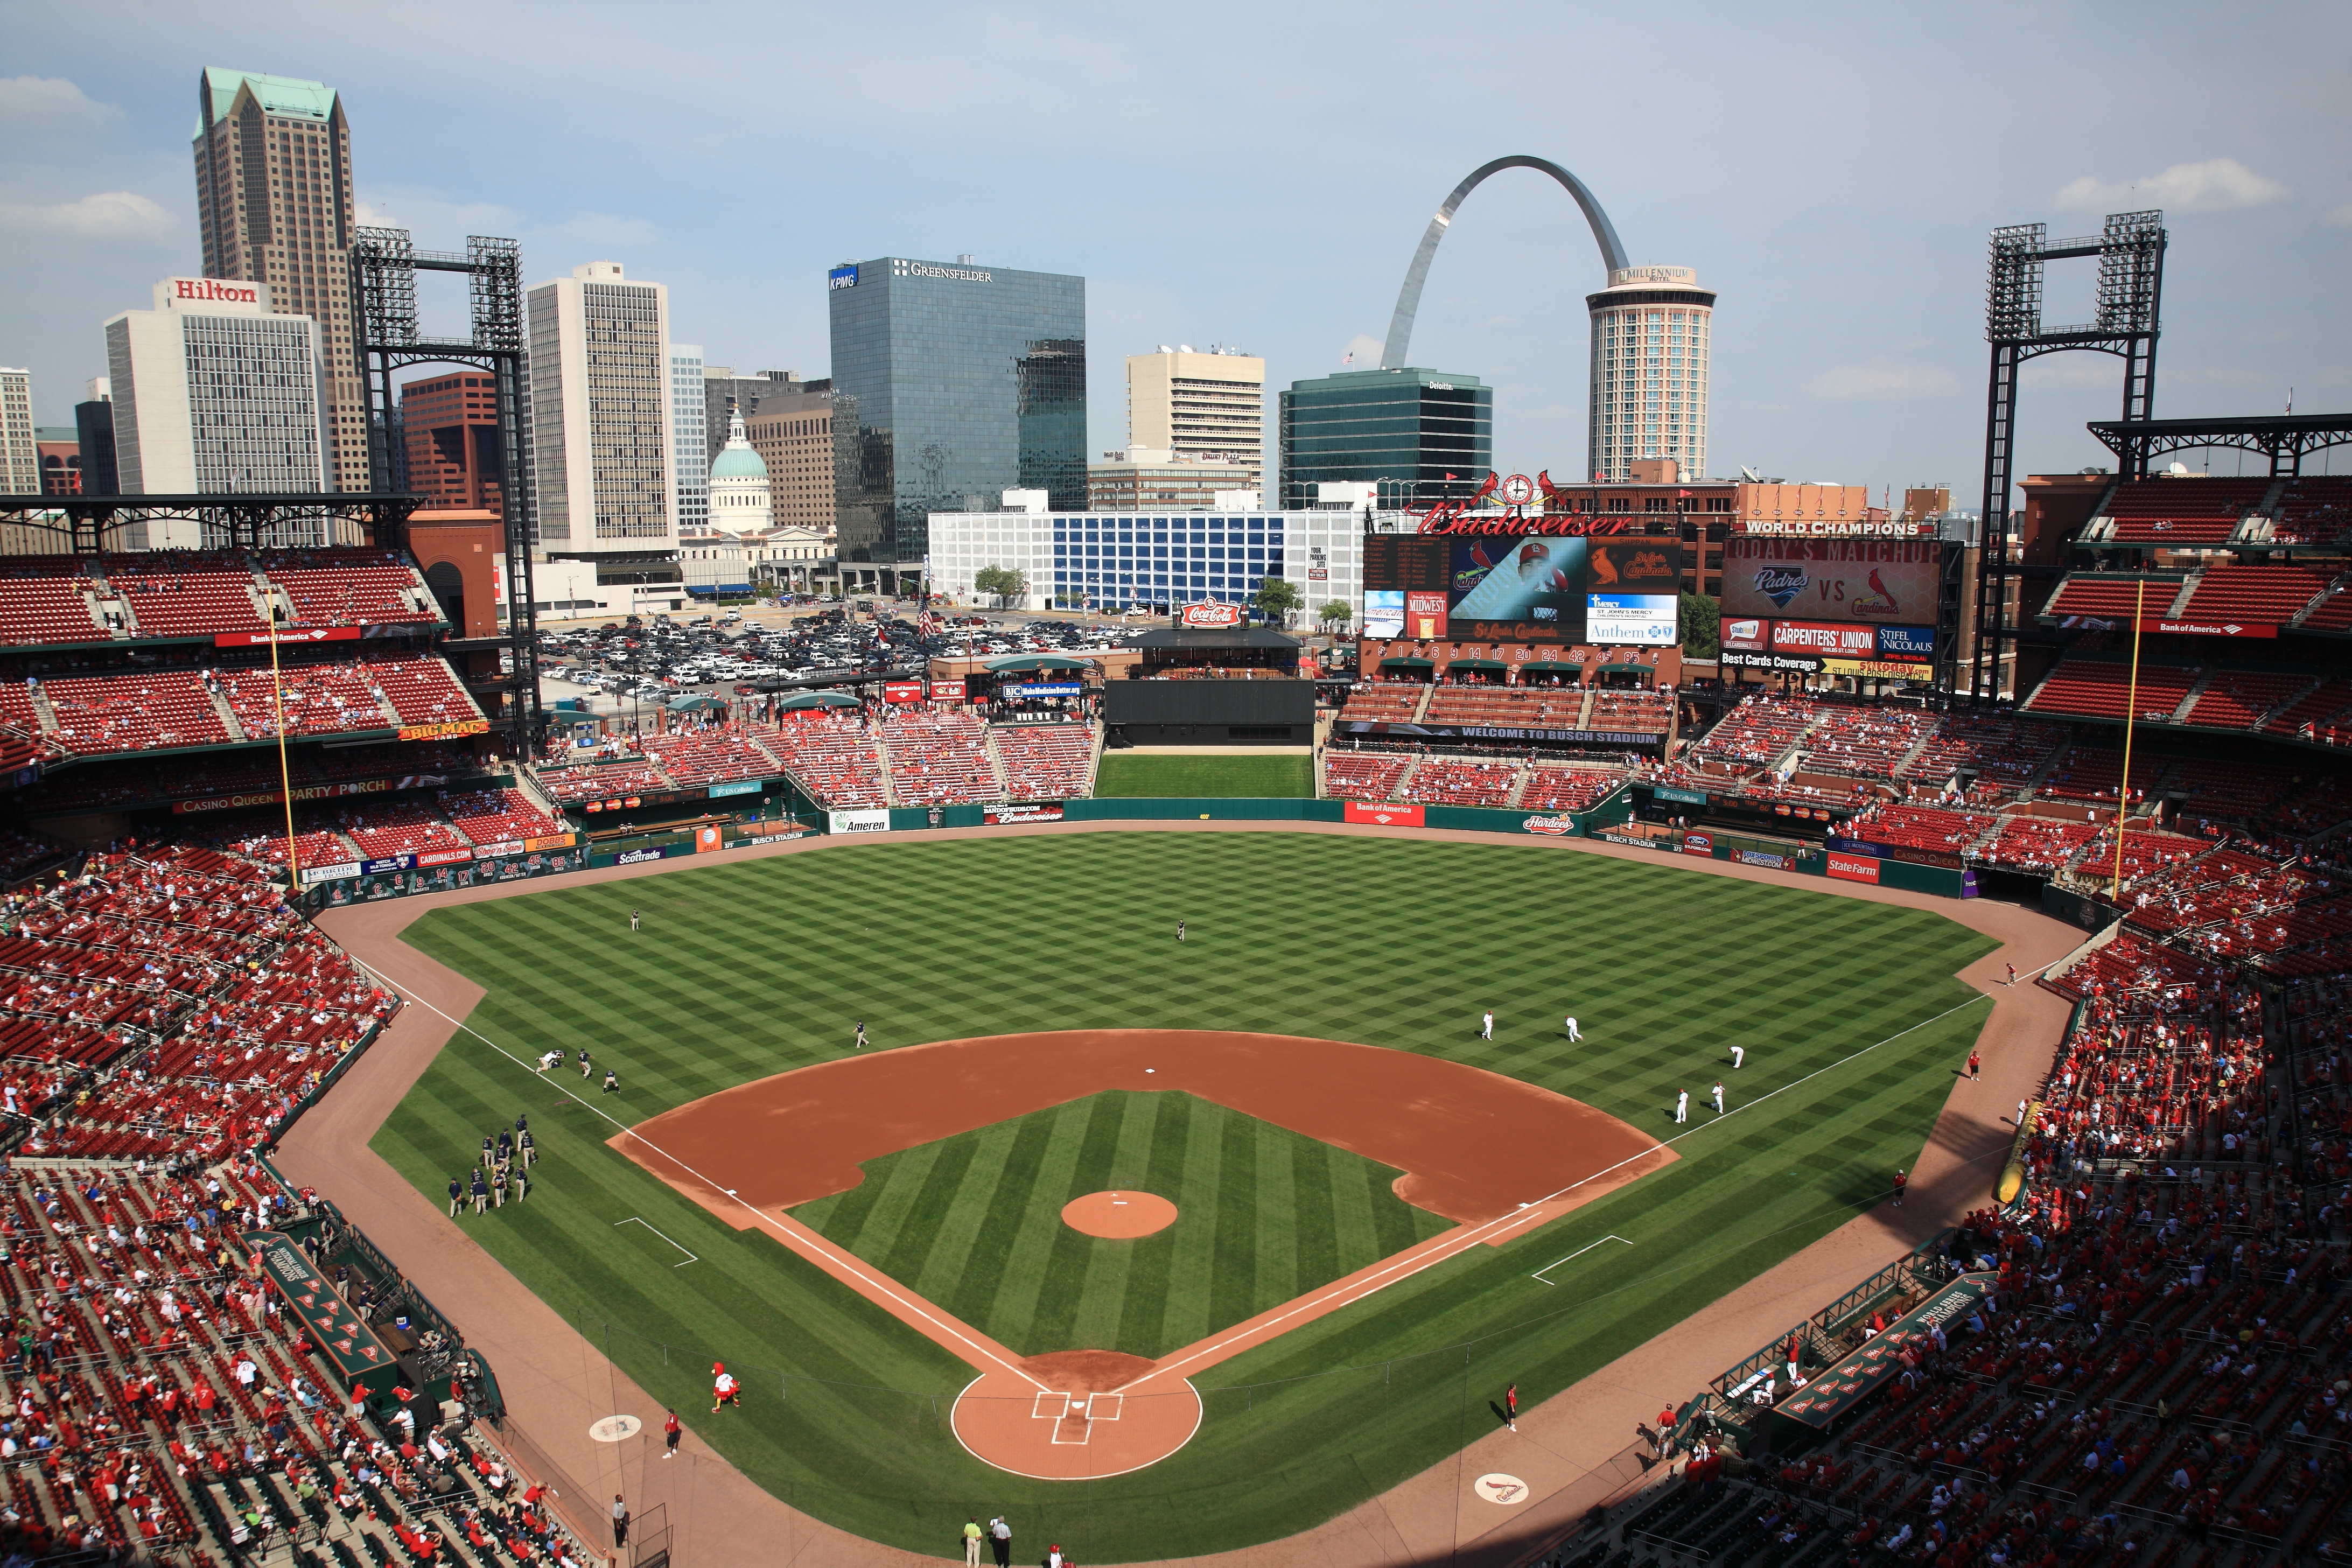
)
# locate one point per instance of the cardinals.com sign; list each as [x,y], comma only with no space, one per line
[1871,580]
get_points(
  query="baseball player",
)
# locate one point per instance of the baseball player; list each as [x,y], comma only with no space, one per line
[632,919]
[1719,1097]
[1179,931]
[1573,1032]
[861,1035]
[1682,1106]
[1738,1056]
[1976,1066]
[1486,1024]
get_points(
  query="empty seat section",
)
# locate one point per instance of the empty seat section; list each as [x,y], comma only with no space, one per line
[134,713]
[1920,828]
[2035,843]
[939,758]
[195,599]
[1357,775]
[1866,743]
[2316,510]
[41,602]
[396,827]
[2270,595]
[2182,512]
[570,786]
[2101,688]
[497,816]
[424,691]
[2114,597]
[316,699]
[708,757]
[1048,761]
[2237,698]
[352,588]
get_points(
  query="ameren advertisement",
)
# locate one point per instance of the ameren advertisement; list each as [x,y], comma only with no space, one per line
[876,821]
[1831,579]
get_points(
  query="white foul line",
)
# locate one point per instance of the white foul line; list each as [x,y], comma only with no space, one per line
[633,1219]
[1572,1257]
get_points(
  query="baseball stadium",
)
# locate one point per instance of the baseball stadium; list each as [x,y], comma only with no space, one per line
[1843,1092]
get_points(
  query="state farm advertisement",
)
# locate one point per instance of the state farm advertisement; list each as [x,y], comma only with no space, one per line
[1827,639]
[1382,816]
[1852,868]
[1831,579]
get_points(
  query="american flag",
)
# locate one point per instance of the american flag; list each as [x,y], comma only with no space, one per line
[928,624]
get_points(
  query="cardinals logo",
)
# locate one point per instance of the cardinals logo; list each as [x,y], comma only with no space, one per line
[1880,602]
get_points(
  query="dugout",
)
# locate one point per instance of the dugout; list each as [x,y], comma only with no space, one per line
[1210,712]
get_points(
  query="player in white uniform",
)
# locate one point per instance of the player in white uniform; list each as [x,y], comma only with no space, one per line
[1682,1106]
[1738,1055]
[1573,1032]
[1719,1098]
[1486,1024]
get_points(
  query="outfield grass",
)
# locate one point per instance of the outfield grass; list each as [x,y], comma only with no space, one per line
[1269,777]
[1263,1215]
[756,967]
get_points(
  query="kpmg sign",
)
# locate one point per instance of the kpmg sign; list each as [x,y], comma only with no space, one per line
[842,278]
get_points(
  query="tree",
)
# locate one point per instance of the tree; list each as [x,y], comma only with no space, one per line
[1702,626]
[1278,596]
[1336,613]
[1002,583]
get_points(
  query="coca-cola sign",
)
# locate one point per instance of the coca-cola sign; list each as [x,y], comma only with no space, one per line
[1212,613]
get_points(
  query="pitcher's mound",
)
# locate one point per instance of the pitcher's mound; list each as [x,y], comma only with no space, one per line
[1118,1215]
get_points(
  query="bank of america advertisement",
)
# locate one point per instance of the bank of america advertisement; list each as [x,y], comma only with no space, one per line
[1831,579]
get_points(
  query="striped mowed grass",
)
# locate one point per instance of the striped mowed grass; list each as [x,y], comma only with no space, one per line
[1263,1215]
[757,967]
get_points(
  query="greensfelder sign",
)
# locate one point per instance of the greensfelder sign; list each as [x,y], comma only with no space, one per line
[1816,1406]
[360,1360]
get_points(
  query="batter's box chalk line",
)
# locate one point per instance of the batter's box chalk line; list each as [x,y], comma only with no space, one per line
[633,1219]
[1049,1407]
[1572,1257]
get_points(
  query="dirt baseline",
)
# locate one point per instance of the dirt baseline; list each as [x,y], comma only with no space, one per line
[1473,1145]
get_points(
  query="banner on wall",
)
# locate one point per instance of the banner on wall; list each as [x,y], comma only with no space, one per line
[1033,813]
[947,690]
[1382,816]
[444,731]
[707,838]
[872,820]
[1852,868]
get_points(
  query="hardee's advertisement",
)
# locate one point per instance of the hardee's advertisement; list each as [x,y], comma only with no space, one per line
[1831,579]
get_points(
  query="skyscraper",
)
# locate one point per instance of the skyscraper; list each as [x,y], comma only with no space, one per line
[216,392]
[1423,435]
[1207,406]
[20,460]
[449,425]
[951,385]
[1650,365]
[94,424]
[690,437]
[603,430]
[274,204]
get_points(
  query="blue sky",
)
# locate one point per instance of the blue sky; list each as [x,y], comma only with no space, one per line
[1260,175]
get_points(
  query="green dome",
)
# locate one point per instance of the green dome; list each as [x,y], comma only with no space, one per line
[736,460]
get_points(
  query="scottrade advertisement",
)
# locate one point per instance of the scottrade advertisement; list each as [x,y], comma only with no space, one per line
[1876,579]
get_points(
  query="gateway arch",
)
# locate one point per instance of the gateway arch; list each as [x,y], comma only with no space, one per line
[1604,233]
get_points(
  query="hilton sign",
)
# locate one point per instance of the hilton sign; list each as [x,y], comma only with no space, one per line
[196,293]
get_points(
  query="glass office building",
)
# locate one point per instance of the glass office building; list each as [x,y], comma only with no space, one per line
[1404,430]
[951,384]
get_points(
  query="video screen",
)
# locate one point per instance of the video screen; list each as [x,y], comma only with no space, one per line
[1531,587]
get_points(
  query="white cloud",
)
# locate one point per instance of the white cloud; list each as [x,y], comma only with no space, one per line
[2213,185]
[109,215]
[1366,349]
[30,102]
[1877,380]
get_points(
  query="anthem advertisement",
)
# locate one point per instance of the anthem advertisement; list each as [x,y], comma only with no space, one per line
[1873,580]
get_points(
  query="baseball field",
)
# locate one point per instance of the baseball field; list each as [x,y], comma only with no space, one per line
[1848,1013]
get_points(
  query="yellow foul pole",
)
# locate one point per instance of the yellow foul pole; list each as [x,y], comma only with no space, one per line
[2131,717]
[285,771]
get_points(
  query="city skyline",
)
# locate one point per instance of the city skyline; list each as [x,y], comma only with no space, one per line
[1850,345]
